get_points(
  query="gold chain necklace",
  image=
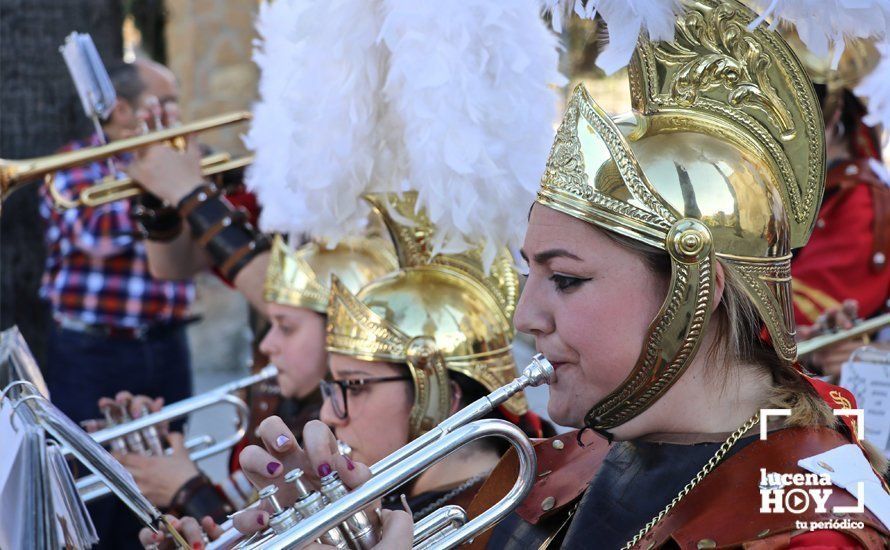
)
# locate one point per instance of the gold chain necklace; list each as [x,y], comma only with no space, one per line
[706,469]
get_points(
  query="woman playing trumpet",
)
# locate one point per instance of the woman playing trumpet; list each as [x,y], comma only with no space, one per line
[447,324]
[296,296]
[658,251]
[448,342]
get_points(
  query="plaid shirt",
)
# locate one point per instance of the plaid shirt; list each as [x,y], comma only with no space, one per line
[96,268]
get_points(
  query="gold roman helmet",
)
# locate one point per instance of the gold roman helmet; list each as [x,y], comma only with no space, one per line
[722,159]
[437,313]
[301,278]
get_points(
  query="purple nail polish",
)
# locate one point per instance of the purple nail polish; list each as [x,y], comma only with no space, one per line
[261,519]
[350,465]
[272,467]
[281,441]
[324,469]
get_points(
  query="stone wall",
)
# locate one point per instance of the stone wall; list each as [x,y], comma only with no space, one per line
[209,45]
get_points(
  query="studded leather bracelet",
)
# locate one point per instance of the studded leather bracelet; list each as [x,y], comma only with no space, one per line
[154,220]
[199,497]
[223,230]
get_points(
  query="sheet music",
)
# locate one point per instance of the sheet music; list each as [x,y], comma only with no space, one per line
[95,458]
[22,523]
[90,77]
[867,376]
[18,363]
[12,439]
[75,525]
[39,499]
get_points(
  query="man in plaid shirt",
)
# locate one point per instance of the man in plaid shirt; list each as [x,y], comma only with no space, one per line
[116,327]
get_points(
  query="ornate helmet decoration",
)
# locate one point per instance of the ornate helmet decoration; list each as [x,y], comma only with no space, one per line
[395,122]
[437,313]
[301,278]
[721,160]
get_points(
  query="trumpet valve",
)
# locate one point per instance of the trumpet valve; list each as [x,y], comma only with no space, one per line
[117,445]
[358,526]
[152,436]
[281,519]
[310,502]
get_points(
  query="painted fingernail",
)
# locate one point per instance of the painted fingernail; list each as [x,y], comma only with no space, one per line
[198,545]
[281,441]
[324,469]
[261,519]
[349,464]
[272,467]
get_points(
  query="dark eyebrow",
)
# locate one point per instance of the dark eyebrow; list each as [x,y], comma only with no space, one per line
[547,255]
[351,372]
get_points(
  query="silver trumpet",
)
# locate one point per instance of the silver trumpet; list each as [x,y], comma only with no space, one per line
[343,516]
[141,435]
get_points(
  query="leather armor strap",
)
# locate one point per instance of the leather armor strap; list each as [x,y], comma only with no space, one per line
[155,220]
[724,508]
[223,230]
[199,497]
[564,471]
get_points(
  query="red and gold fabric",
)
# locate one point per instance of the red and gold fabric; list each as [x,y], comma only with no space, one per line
[846,256]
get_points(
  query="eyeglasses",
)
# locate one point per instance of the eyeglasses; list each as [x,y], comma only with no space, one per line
[335,391]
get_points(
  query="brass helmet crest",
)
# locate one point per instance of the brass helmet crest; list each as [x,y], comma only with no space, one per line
[437,313]
[301,277]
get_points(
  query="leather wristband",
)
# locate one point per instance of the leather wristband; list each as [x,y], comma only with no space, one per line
[223,230]
[199,497]
[155,220]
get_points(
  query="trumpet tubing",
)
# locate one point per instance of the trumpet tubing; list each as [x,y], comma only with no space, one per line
[860,329]
[124,188]
[129,435]
[446,528]
[16,172]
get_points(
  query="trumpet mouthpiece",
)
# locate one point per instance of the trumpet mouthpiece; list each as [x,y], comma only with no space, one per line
[539,371]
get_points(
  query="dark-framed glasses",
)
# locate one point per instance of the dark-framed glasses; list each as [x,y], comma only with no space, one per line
[336,390]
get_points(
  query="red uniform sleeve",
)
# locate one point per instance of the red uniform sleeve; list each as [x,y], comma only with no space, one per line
[836,262]
[246,200]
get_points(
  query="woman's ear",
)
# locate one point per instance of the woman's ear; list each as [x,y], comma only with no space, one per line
[456,395]
[719,285]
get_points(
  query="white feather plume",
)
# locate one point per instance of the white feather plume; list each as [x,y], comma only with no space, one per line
[472,83]
[453,99]
[825,25]
[314,127]
[625,20]
[875,91]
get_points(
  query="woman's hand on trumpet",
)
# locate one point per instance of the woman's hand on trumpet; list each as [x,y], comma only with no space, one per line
[282,453]
[135,405]
[196,534]
[160,477]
